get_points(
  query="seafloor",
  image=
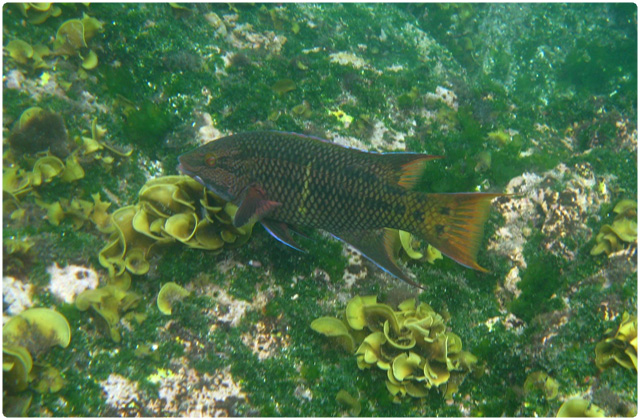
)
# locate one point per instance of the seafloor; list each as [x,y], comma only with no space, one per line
[531,99]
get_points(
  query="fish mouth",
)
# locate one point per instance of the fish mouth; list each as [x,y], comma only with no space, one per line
[182,170]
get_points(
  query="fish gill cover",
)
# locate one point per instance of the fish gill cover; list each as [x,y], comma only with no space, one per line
[127,290]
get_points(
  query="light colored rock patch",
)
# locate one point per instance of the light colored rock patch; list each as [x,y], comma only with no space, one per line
[227,309]
[264,343]
[16,295]
[231,310]
[243,37]
[378,138]
[66,283]
[207,131]
[424,43]
[382,139]
[119,391]
[511,281]
[347,59]
[14,79]
[539,205]
[186,393]
[444,95]
[560,215]
[355,270]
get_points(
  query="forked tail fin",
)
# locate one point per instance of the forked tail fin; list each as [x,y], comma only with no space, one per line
[454,223]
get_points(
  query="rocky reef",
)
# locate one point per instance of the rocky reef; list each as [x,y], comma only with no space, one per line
[112,260]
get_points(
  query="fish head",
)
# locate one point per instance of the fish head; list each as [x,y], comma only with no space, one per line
[215,165]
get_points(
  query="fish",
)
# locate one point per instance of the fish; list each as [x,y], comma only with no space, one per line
[288,181]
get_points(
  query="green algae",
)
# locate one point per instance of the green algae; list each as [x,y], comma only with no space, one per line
[539,284]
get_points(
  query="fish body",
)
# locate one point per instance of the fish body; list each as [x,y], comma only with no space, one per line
[287,179]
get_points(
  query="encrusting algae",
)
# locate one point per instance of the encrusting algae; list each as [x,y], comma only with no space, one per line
[411,345]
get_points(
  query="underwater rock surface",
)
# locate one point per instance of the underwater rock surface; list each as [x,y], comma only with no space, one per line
[538,100]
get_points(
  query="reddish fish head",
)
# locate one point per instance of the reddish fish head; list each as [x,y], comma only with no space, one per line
[216,166]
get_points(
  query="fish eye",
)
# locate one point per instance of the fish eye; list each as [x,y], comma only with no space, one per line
[210,159]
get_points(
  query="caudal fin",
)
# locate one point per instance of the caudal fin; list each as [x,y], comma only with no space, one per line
[454,223]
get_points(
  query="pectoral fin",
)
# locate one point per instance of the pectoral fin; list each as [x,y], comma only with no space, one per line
[255,206]
[380,246]
[281,232]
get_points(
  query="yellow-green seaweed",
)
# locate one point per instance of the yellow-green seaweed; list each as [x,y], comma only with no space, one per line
[16,365]
[170,293]
[408,244]
[624,229]
[283,86]
[411,345]
[19,50]
[502,137]
[622,348]
[91,26]
[540,380]
[50,380]
[170,209]
[37,329]
[38,13]
[45,169]
[28,114]
[24,53]
[25,337]
[303,110]
[72,37]
[332,327]
[355,311]
[90,61]
[17,245]
[16,181]
[76,209]
[352,404]
[579,407]
[108,302]
[405,240]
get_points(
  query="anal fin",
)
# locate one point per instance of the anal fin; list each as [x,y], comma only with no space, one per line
[379,246]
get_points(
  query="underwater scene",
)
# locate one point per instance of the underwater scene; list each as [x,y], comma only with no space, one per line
[486,268]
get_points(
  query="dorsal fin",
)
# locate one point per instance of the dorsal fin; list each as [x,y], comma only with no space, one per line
[404,169]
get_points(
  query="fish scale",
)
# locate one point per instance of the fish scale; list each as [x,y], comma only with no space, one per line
[283,179]
[336,192]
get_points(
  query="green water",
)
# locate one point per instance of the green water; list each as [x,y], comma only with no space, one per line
[537,100]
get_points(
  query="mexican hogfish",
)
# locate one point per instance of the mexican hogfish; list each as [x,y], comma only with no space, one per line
[288,180]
